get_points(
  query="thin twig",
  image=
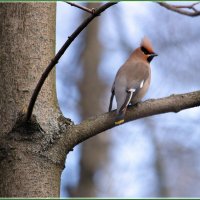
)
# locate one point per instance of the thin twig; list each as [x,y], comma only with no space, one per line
[179,9]
[82,7]
[55,60]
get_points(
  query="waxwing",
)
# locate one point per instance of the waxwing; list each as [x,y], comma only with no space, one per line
[132,79]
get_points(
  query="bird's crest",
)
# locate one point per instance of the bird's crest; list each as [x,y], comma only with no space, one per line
[146,45]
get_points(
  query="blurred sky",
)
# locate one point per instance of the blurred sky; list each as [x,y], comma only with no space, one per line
[132,151]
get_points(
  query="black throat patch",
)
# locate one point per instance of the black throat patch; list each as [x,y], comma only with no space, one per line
[150,58]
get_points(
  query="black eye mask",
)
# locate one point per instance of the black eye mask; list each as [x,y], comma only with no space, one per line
[145,51]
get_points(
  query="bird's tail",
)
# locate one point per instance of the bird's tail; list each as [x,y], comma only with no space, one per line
[121,113]
[119,119]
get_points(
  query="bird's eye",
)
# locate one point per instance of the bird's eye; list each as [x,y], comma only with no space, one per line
[145,51]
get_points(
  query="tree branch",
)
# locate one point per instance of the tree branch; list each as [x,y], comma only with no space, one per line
[187,6]
[91,11]
[55,60]
[179,8]
[100,123]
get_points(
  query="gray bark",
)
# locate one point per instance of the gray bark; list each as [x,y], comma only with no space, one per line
[27,44]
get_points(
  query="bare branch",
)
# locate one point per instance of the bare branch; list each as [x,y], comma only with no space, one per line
[180,9]
[187,6]
[100,123]
[82,7]
[55,60]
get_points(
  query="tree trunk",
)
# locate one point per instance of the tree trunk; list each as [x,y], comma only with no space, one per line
[27,32]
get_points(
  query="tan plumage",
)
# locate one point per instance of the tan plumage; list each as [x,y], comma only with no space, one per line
[132,79]
[147,44]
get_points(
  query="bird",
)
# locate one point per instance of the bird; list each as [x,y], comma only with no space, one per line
[132,79]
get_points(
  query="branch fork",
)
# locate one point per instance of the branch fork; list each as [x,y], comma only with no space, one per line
[54,61]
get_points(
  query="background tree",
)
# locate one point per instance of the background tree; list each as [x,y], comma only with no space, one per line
[93,155]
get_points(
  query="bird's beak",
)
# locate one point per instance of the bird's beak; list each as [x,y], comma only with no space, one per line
[153,55]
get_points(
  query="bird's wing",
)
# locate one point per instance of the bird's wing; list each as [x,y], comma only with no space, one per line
[137,75]
[127,100]
[136,78]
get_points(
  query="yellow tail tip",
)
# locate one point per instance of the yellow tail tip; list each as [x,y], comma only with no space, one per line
[119,122]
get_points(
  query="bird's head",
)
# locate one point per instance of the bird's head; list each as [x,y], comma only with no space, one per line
[147,50]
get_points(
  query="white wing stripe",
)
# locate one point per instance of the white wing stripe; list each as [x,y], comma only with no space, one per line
[141,84]
[132,90]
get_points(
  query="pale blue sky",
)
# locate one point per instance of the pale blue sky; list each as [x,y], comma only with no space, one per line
[169,75]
